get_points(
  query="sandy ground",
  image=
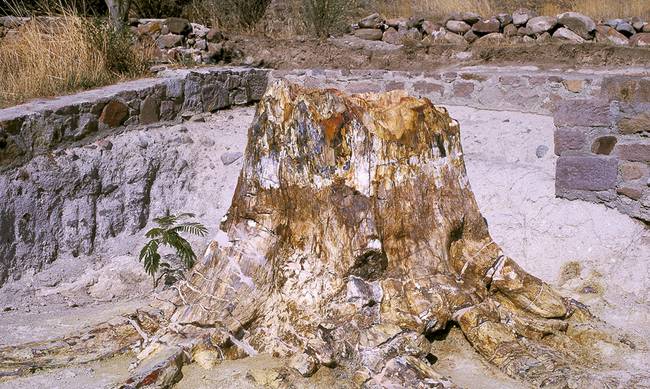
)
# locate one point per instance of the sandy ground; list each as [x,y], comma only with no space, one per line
[510,164]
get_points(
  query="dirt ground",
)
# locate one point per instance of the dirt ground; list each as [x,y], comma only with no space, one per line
[593,253]
[349,52]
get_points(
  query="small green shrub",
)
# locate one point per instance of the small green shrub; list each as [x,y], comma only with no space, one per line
[324,17]
[168,234]
[118,48]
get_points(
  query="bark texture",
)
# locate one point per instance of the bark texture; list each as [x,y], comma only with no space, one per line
[353,239]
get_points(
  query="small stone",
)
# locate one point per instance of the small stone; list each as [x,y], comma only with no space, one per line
[470,17]
[504,19]
[490,38]
[114,113]
[607,34]
[454,39]
[580,24]
[229,157]
[457,26]
[304,364]
[631,171]
[105,144]
[563,33]
[430,27]
[630,191]
[392,36]
[150,110]
[574,86]
[369,34]
[374,21]
[470,36]
[541,24]
[486,26]
[641,39]
[634,152]
[543,37]
[638,23]
[541,151]
[524,31]
[626,29]
[510,30]
[635,124]
[521,16]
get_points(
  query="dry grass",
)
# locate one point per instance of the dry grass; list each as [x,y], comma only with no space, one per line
[598,9]
[72,54]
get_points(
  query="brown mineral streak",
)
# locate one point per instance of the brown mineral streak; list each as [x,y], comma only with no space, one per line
[353,235]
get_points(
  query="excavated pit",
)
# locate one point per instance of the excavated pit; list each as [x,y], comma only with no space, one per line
[514,186]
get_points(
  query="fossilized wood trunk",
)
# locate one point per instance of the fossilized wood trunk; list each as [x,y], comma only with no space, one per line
[352,236]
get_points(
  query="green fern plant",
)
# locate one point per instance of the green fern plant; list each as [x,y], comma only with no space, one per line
[168,233]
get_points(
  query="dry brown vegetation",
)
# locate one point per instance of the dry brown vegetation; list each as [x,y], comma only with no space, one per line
[50,58]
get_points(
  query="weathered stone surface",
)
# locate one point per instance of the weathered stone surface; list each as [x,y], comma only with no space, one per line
[429,27]
[521,16]
[641,39]
[540,24]
[524,31]
[427,88]
[370,34]
[605,34]
[463,89]
[632,192]
[638,23]
[575,86]
[486,26]
[584,112]
[581,24]
[178,26]
[458,26]
[634,151]
[586,173]
[567,35]
[455,39]
[569,138]
[114,113]
[392,36]
[470,36]
[373,21]
[491,38]
[627,89]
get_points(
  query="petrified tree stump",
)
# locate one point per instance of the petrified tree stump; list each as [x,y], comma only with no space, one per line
[352,236]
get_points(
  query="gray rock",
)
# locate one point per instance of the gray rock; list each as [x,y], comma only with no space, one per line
[455,39]
[580,24]
[458,26]
[470,17]
[150,110]
[541,24]
[229,157]
[490,38]
[638,23]
[541,151]
[521,16]
[369,34]
[613,23]
[510,30]
[543,37]
[565,34]
[429,27]
[470,36]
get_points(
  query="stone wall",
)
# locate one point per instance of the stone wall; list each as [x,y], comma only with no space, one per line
[43,125]
[80,170]
[520,26]
[603,144]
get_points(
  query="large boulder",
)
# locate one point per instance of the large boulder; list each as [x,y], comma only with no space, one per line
[580,24]
[178,26]
[641,39]
[565,34]
[371,21]
[541,24]
[607,34]
[370,34]
[458,26]
[486,26]
[521,16]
